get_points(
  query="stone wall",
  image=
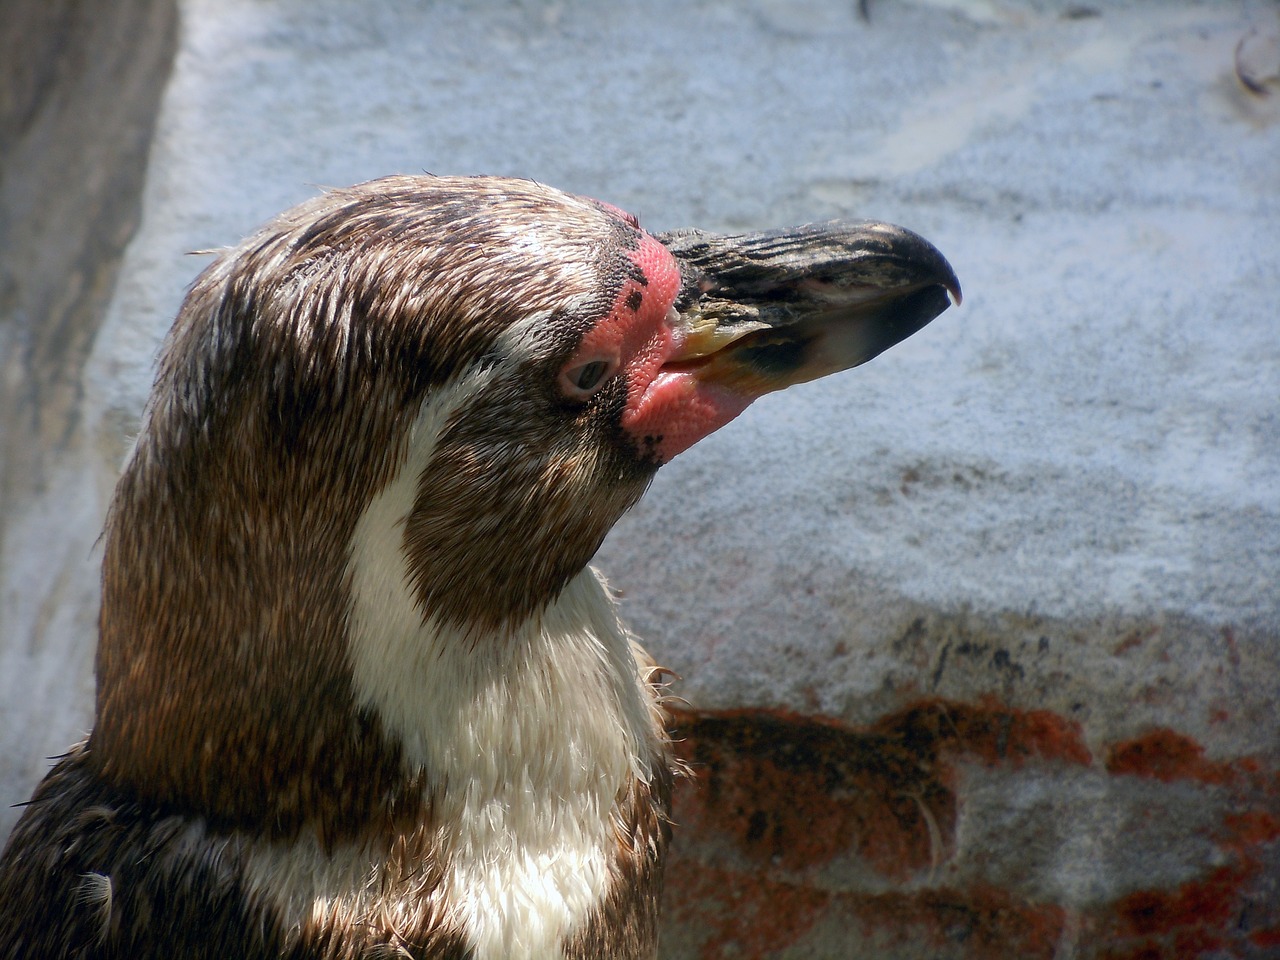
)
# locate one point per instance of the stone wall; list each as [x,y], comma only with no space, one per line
[80,89]
[980,642]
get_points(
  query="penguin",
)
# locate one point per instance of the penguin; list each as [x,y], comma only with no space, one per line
[359,691]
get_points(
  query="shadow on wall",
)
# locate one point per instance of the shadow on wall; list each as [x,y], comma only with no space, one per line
[82,84]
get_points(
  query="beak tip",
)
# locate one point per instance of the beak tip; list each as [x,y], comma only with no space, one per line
[932,260]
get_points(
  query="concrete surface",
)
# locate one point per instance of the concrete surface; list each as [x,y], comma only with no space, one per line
[981,642]
[80,87]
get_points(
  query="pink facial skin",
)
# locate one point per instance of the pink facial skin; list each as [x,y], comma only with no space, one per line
[668,408]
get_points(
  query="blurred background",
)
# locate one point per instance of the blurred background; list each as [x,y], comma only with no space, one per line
[980,643]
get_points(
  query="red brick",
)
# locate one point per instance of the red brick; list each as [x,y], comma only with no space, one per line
[1166,755]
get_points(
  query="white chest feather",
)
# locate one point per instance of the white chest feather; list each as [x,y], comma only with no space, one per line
[526,738]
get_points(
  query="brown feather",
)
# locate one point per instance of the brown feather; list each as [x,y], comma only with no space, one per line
[227,726]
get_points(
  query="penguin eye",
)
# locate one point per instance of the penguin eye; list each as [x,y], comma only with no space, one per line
[581,380]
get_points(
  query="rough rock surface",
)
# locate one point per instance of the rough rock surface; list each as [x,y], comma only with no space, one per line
[981,642]
[80,87]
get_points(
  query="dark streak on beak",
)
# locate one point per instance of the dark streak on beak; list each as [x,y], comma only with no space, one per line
[767,310]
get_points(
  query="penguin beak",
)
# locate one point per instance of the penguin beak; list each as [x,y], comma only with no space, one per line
[763,311]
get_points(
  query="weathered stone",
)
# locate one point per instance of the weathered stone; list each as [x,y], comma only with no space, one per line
[80,92]
[981,641]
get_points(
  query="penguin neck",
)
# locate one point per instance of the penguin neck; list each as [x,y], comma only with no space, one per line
[528,739]
[265,664]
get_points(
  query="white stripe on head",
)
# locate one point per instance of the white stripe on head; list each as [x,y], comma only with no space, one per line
[526,738]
